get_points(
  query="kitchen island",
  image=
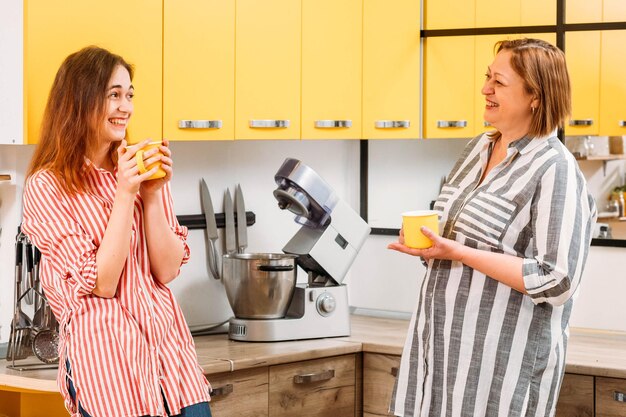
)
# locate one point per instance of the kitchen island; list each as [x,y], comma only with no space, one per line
[591,353]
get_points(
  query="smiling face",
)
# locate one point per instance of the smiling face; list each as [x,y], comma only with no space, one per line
[508,104]
[119,105]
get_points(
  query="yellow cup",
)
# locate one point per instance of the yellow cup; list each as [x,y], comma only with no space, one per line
[142,168]
[412,221]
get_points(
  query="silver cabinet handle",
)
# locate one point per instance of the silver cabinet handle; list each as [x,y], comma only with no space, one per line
[622,123]
[581,122]
[265,124]
[328,124]
[619,396]
[392,124]
[224,390]
[199,124]
[451,123]
[316,377]
[394,371]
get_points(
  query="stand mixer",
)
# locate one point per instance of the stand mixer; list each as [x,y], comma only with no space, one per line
[326,245]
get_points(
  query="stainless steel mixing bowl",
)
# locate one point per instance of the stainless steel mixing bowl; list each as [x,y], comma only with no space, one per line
[259,285]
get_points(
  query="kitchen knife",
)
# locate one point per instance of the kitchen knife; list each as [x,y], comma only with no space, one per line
[242,224]
[211,229]
[229,214]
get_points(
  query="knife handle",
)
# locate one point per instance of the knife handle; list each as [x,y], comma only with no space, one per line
[197,221]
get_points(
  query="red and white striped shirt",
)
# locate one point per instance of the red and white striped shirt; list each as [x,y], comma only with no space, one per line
[128,352]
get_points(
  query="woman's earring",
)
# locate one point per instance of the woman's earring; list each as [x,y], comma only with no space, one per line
[532,109]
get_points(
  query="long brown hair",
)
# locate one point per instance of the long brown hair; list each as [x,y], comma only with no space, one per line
[72,120]
[542,67]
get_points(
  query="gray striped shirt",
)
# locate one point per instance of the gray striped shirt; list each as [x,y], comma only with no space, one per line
[477,347]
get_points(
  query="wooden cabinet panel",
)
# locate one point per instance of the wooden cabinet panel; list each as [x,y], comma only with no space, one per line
[576,396]
[240,393]
[379,377]
[610,397]
[53,31]
[198,68]
[331,396]
[331,68]
[268,68]
[391,68]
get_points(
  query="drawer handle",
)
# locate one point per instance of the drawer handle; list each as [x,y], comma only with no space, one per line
[329,124]
[199,124]
[451,123]
[622,123]
[581,122]
[392,124]
[308,378]
[224,390]
[269,124]
[394,371]
[619,396]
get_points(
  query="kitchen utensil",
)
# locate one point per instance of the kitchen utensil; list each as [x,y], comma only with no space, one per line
[20,339]
[211,229]
[28,252]
[242,231]
[231,245]
[259,285]
[46,346]
[36,280]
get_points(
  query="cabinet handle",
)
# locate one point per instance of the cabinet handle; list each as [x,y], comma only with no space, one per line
[451,123]
[199,124]
[581,122]
[315,377]
[326,124]
[622,123]
[392,124]
[269,124]
[619,396]
[224,390]
[394,371]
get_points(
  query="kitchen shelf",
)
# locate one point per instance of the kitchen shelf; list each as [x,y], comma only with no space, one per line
[604,159]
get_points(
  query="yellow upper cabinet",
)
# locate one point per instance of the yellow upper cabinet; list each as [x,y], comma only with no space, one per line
[614,11]
[391,68]
[593,11]
[331,69]
[613,85]
[53,30]
[449,91]
[537,12]
[199,70]
[267,69]
[496,13]
[582,52]
[449,14]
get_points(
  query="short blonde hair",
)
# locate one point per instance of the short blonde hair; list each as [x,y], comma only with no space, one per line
[544,71]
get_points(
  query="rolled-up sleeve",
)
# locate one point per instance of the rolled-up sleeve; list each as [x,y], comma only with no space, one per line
[49,224]
[563,214]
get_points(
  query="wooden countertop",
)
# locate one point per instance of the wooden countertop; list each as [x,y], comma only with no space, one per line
[590,352]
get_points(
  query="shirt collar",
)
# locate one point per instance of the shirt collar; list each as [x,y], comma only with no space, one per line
[527,143]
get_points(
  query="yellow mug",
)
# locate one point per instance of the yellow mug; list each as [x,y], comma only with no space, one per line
[142,168]
[412,222]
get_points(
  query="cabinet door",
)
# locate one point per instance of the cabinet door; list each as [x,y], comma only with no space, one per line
[331,69]
[391,69]
[538,12]
[53,30]
[583,11]
[492,13]
[240,393]
[613,84]
[583,63]
[320,387]
[449,14]
[449,90]
[610,397]
[11,73]
[614,11]
[576,396]
[379,377]
[198,69]
[267,69]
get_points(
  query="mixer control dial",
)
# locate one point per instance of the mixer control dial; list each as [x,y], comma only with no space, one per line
[326,304]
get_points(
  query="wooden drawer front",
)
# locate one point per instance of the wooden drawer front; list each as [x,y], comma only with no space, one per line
[610,397]
[576,396]
[333,396]
[378,382]
[248,397]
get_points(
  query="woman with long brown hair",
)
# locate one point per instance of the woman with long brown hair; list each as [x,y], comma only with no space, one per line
[110,243]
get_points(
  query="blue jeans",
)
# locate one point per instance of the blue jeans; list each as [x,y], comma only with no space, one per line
[195,410]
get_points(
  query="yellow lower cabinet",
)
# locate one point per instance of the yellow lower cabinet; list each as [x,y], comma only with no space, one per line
[610,397]
[379,377]
[31,404]
[315,388]
[576,396]
[240,393]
